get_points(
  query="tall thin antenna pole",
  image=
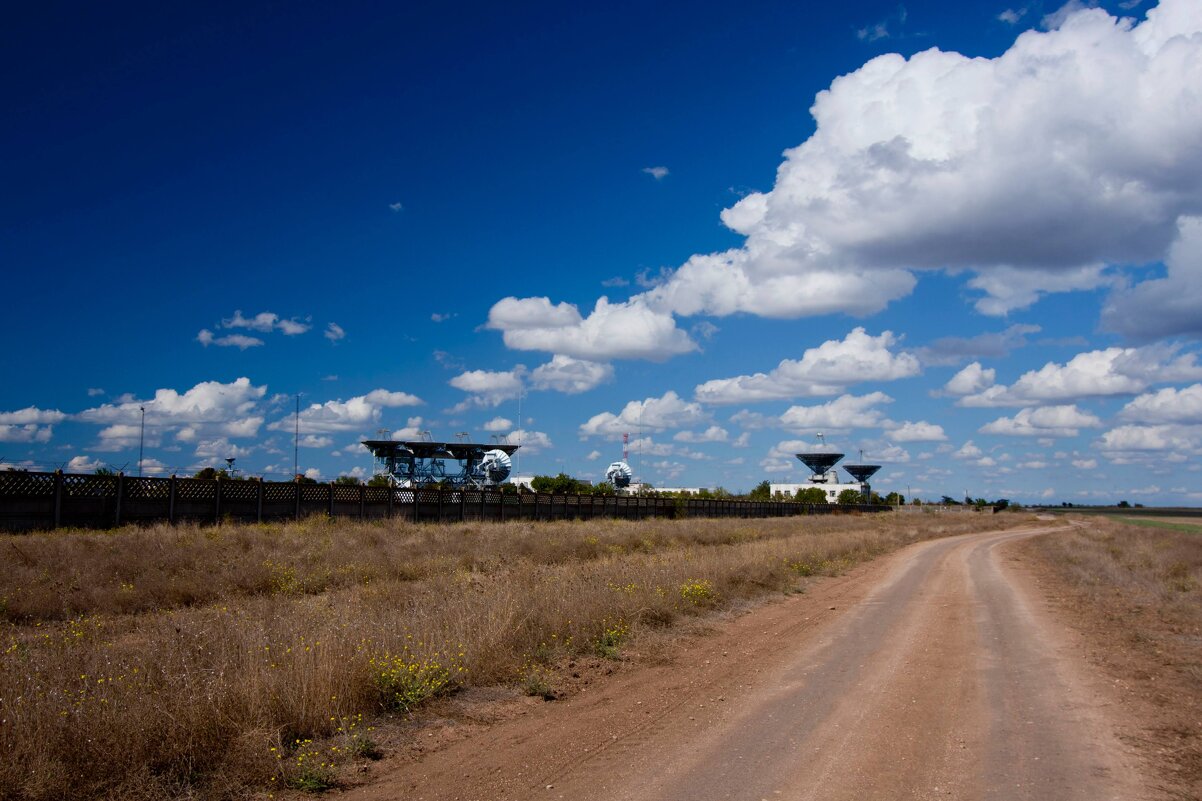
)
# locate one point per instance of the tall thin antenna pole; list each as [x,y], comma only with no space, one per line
[517,455]
[141,439]
[296,441]
[641,408]
[625,447]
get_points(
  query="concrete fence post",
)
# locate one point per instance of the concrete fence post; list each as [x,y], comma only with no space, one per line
[58,498]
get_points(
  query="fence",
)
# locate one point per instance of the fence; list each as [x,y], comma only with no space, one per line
[31,501]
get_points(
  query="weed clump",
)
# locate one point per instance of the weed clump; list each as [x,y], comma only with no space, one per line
[698,592]
[612,635]
[408,678]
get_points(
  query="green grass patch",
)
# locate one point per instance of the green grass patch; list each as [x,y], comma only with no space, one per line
[1189,528]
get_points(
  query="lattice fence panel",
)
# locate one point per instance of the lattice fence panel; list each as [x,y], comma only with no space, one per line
[90,486]
[239,490]
[148,489]
[427,495]
[344,493]
[377,494]
[15,484]
[313,492]
[277,492]
[195,489]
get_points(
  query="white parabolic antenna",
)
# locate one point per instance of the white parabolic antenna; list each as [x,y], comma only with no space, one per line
[495,465]
[619,474]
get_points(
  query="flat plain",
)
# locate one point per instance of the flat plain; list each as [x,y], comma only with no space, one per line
[861,657]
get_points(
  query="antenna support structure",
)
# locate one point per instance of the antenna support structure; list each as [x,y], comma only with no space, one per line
[424,463]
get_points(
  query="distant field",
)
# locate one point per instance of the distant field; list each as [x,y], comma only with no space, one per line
[1127,511]
[220,662]
[1188,524]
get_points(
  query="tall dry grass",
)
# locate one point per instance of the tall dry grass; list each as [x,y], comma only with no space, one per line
[1154,567]
[163,567]
[1138,591]
[208,663]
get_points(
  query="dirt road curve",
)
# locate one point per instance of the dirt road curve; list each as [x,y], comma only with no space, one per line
[931,674]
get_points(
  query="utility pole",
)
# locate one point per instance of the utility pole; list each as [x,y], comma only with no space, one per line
[141,439]
[296,442]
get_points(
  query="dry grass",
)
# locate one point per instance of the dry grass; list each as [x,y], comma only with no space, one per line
[172,663]
[1138,591]
[1156,567]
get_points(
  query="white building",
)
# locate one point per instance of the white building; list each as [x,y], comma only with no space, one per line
[832,490]
[828,482]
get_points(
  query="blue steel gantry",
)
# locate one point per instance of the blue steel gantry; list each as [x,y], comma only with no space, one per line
[420,463]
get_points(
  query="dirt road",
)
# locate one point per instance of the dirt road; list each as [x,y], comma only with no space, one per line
[934,673]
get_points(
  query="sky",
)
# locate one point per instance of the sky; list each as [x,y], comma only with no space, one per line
[964,239]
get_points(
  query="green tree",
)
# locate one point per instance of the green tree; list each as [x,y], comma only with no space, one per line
[895,499]
[850,497]
[762,491]
[380,480]
[210,473]
[562,484]
[811,495]
[353,481]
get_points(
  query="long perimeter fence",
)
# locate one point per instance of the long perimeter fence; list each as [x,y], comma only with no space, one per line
[35,501]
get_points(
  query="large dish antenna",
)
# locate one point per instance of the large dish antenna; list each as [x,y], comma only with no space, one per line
[619,474]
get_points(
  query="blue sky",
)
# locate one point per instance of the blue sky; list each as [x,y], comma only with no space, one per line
[964,239]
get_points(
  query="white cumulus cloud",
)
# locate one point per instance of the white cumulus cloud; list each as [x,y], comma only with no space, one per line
[569,375]
[489,387]
[711,434]
[844,412]
[1098,373]
[927,163]
[1168,306]
[31,415]
[357,413]
[826,369]
[1045,421]
[973,378]
[1169,405]
[630,330]
[920,431]
[25,433]
[652,414]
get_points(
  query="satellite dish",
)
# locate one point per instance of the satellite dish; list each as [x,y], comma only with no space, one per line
[495,465]
[619,474]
